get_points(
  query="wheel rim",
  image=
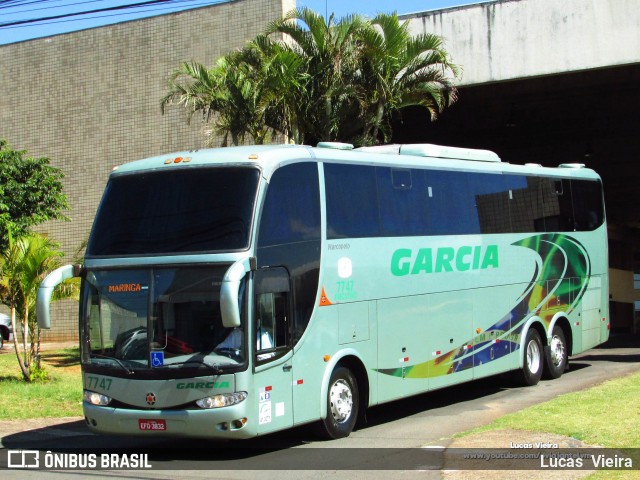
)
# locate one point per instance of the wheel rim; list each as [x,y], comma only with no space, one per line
[340,401]
[533,357]
[557,351]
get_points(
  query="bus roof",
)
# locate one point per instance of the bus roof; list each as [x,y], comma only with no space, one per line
[270,157]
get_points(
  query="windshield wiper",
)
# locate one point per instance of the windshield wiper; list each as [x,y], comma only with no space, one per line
[214,367]
[96,355]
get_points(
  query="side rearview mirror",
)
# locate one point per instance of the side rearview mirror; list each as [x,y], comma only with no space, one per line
[230,293]
[46,289]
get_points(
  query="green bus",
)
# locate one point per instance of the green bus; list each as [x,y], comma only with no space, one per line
[233,292]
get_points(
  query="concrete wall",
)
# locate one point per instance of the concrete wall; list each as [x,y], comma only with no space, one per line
[511,39]
[90,100]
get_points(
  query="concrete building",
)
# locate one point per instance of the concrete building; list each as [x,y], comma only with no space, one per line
[550,82]
[90,100]
[544,81]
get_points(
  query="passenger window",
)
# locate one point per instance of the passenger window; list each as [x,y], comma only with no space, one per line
[587,204]
[291,215]
[452,209]
[291,211]
[525,203]
[491,199]
[557,208]
[352,201]
[402,201]
[401,178]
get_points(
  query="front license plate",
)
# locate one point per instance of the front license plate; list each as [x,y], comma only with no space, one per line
[155,425]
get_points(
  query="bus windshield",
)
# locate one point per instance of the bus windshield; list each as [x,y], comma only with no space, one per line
[176,211]
[162,319]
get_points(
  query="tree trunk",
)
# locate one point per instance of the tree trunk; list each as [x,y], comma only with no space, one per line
[24,368]
[38,366]
[295,134]
[33,342]
[327,121]
[25,341]
[376,127]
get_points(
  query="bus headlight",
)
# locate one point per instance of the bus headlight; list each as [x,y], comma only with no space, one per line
[95,398]
[222,400]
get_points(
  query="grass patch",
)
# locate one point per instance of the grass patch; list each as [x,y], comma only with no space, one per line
[59,397]
[606,415]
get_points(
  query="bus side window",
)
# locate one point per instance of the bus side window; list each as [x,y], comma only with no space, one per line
[272,319]
[271,322]
[587,204]
[289,236]
[451,206]
[555,195]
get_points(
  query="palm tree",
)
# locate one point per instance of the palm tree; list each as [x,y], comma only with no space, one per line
[398,71]
[283,78]
[228,93]
[310,80]
[330,52]
[23,266]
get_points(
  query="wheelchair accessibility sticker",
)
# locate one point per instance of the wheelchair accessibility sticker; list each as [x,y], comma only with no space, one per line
[157,359]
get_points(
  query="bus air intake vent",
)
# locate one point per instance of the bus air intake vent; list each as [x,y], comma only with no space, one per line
[335,145]
[439,151]
[571,165]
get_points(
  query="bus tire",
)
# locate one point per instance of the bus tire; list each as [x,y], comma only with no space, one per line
[532,364]
[555,354]
[342,404]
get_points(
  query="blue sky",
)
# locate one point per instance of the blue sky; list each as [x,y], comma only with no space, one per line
[49,8]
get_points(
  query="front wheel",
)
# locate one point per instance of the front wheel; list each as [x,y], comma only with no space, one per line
[532,364]
[342,404]
[556,354]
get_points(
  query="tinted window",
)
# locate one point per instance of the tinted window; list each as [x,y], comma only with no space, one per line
[587,204]
[452,209]
[352,203]
[492,196]
[175,211]
[291,211]
[526,209]
[557,210]
[413,202]
[403,200]
[289,236]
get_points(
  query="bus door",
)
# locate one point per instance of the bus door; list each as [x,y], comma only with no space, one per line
[272,354]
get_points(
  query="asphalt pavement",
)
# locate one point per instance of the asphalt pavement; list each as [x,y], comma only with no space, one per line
[393,430]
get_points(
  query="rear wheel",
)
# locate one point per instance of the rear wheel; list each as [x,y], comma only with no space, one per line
[342,404]
[533,359]
[556,354]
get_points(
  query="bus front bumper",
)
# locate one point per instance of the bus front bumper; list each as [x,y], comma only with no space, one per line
[227,422]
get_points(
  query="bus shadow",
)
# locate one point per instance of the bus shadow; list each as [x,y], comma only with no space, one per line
[62,358]
[621,340]
[75,436]
[618,358]
[434,400]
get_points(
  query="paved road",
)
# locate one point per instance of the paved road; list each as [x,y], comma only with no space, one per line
[425,420]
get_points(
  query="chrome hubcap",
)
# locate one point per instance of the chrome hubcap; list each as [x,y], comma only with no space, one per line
[533,357]
[557,351]
[340,401]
